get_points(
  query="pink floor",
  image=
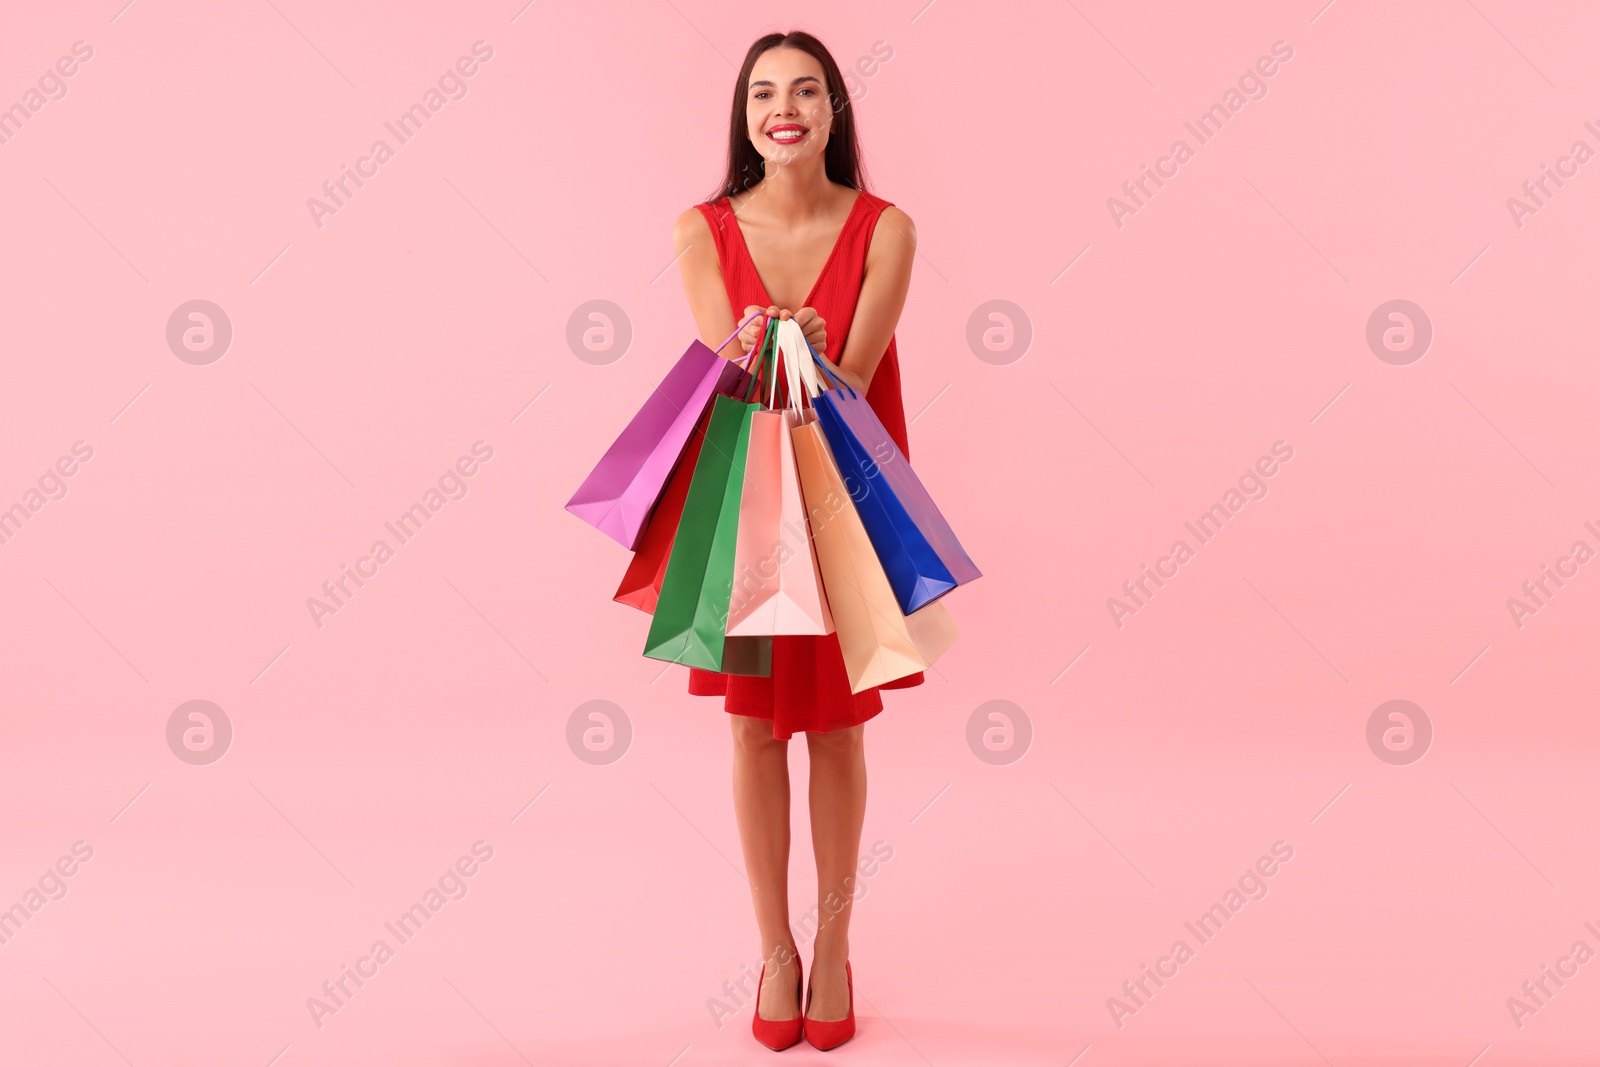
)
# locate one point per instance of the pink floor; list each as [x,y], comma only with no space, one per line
[1394,502]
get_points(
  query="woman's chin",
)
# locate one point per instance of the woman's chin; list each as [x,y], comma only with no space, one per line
[783,156]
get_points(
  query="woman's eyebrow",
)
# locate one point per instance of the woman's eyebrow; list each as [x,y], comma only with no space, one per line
[797,81]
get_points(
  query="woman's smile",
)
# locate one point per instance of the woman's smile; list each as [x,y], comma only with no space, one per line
[787,133]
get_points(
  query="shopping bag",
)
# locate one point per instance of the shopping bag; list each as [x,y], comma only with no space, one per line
[917,572]
[691,617]
[641,582]
[878,641]
[777,588]
[888,461]
[622,489]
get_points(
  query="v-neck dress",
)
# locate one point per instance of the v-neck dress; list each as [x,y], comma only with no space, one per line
[809,689]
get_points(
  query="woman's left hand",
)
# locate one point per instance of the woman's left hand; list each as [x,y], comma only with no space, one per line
[813,326]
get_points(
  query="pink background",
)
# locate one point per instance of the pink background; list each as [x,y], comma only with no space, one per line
[431,312]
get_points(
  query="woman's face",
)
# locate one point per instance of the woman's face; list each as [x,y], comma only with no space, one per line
[787,108]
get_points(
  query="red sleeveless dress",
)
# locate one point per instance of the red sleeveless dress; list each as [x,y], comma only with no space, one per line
[809,689]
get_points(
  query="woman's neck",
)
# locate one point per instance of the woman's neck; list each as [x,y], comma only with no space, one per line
[795,190]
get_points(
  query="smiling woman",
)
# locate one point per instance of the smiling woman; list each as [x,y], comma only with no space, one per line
[792,232]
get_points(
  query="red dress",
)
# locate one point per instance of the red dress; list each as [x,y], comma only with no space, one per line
[809,689]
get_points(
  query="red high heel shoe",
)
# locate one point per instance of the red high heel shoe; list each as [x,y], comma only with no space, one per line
[781,1033]
[826,1033]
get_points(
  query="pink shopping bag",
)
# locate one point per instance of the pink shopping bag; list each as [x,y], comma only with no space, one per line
[777,586]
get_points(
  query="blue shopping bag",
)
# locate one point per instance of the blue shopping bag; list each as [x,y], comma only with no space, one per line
[916,572]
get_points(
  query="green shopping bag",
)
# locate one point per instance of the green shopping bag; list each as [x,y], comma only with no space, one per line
[691,617]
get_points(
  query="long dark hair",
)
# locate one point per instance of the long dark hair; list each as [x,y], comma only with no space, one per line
[842,157]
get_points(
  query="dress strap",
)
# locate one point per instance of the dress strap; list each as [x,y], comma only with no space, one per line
[719,217]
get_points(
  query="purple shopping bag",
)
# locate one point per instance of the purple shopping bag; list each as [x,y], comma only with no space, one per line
[619,494]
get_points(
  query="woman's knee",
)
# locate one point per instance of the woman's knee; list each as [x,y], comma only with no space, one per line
[844,742]
[754,736]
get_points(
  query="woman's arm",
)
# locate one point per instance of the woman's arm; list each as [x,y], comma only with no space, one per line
[702,279]
[708,296]
[883,296]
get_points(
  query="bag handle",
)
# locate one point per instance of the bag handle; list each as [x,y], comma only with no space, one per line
[768,345]
[790,337]
[734,334]
[806,370]
[827,369]
[781,357]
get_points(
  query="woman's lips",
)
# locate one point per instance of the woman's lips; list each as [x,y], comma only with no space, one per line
[787,134]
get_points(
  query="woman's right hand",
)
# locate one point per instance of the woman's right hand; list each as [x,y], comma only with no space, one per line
[751,332]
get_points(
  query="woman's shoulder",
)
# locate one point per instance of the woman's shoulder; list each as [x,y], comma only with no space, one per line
[885,209]
[890,215]
[893,233]
[691,226]
[703,211]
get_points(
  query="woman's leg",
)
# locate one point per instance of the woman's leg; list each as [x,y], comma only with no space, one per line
[761,802]
[838,807]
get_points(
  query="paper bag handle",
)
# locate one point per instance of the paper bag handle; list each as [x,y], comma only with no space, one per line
[767,347]
[734,334]
[827,369]
[790,337]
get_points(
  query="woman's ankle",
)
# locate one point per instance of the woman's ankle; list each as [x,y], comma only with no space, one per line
[830,952]
[781,955]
